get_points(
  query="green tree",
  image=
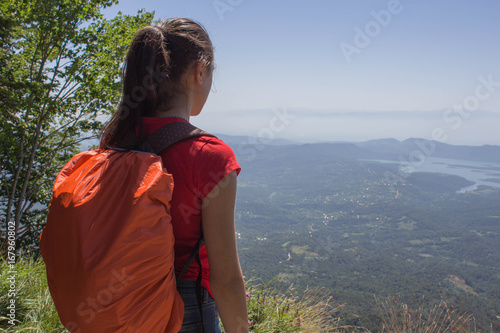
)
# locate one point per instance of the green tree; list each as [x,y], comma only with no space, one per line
[59,75]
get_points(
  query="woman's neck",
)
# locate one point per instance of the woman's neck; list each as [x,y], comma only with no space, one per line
[178,107]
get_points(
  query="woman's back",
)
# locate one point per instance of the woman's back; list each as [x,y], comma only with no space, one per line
[197,166]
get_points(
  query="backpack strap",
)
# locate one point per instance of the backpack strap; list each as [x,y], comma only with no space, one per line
[171,134]
[158,141]
[193,253]
[163,138]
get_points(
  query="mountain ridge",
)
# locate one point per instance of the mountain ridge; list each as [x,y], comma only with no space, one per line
[384,148]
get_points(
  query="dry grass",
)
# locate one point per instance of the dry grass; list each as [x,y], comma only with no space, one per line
[397,317]
[312,310]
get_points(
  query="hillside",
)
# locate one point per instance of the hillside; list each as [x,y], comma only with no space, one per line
[330,215]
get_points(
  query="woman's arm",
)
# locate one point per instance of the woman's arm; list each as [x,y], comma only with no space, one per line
[226,280]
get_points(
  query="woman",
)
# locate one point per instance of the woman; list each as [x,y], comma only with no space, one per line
[167,78]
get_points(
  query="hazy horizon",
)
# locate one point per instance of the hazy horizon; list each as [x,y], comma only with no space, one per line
[307,126]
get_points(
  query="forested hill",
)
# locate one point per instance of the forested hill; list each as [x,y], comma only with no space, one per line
[333,215]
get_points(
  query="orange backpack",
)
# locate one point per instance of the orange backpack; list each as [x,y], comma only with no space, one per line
[108,243]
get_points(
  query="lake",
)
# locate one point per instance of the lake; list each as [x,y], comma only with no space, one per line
[481,173]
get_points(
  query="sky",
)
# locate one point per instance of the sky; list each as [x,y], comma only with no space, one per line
[348,70]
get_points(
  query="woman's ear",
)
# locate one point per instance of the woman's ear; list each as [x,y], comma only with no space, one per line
[201,72]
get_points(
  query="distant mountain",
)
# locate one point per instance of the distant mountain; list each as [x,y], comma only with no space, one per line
[308,126]
[388,147]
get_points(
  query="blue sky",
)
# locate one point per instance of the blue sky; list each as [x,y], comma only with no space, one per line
[376,60]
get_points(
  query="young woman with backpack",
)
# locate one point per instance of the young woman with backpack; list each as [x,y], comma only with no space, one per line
[167,78]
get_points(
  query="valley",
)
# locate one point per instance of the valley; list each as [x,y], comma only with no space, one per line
[318,216]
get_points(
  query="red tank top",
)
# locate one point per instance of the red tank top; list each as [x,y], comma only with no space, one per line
[197,165]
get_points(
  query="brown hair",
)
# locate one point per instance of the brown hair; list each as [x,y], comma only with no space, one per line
[156,61]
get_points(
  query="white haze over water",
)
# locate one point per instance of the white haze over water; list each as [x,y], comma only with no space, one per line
[479,128]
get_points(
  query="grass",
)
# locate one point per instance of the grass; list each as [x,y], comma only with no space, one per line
[270,310]
[35,311]
[397,317]
[311,310]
